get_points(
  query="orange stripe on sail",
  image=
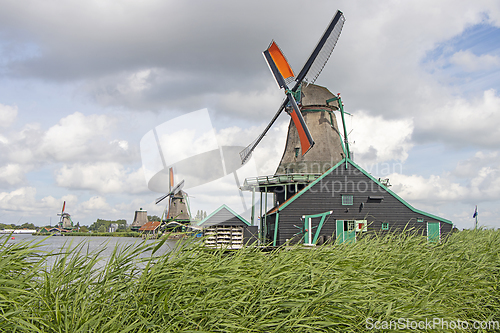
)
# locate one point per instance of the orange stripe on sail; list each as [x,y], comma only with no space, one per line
[171,177]
[304,141]
[280,61]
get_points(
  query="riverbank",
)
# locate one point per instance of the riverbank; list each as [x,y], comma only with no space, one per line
[113,234]
[93,234]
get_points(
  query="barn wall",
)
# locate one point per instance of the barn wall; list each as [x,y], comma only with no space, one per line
[326,195]
[223,217]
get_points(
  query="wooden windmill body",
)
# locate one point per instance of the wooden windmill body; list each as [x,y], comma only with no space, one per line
[140,219]
[177,209]
[65,222]
[317,105]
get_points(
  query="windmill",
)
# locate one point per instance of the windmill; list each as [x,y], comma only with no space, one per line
[177,209]
[65,222]
[284,76]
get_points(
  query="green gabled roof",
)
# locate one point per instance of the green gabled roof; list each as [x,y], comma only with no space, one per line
[347,160]
[218,210]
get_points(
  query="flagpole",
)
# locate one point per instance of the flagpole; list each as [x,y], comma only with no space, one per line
[475,216]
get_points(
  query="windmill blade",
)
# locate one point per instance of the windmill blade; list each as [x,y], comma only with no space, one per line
[64,206]
[176,189]
[160,199]
[306,140]
[171,179]
[318,58]
[283,72]
[247,152]
[278,65]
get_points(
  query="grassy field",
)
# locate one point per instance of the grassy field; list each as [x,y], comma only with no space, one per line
[326,289]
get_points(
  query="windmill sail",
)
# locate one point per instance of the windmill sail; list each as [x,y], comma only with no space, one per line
[306,140]
[247,152]
[278,65]
[318,58]
[280,62]
[172,189]
[176,189]
[171,179]
[283,73]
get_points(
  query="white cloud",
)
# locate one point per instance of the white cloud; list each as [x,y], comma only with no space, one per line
[123,144]
[56,204]
[474,180]
[3,140]
[19,199]
[23,201]
[435,188]
[268,153]
[378,139]
[135,82]
[257,104]
[75,136]
[13,174]
[102,177]
[94,204]
[461,122]
[8,115]
[21,147]
[470,62]
[468,168]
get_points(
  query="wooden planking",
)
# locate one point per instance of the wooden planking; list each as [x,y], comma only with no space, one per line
[223,217]
[326,195]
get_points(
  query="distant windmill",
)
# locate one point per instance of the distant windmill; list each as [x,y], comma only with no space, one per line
[284,75]
[177,209]
[65,222]
[140,219]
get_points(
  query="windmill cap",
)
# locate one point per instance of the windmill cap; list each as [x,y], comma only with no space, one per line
[317,95]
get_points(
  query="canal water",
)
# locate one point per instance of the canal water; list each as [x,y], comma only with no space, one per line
[58,244]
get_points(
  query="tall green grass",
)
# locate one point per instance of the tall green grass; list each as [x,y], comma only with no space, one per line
[324,289]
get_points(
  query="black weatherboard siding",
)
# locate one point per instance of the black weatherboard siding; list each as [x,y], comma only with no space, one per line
[226,217]
[223,216]
[371,201]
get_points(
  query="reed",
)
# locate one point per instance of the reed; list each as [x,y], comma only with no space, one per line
[295,289]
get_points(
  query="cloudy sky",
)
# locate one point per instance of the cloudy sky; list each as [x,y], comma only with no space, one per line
[81,82]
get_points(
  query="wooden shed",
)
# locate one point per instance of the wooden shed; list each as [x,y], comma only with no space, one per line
[150,229]
[224,228]
[343,204]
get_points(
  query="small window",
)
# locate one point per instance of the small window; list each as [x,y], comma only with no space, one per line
[420,220]
[351,225]
[347,200]
[385,226]
[361,226]
[297,151]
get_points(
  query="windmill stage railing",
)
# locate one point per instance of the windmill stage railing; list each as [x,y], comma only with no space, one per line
[291,178]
